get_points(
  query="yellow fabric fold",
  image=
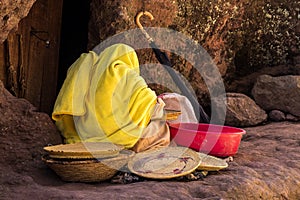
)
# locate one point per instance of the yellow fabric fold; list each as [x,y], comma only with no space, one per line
[106,97]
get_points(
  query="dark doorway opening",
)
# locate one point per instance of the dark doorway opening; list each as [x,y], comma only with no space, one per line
[74,35]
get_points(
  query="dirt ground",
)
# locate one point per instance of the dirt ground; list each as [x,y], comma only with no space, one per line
[267,165]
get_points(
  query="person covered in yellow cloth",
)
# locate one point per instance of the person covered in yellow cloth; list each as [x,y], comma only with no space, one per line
[104,99]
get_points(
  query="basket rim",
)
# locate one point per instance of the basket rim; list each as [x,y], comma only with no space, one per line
[83,150]
[124,154]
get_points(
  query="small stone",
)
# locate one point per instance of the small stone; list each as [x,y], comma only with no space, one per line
[243,111]
[278,93]
[229,159]
[276,115]
[292,118]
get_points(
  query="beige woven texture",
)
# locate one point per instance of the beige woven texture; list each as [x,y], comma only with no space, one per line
[211,163]
[83,150]
[164,163]
[88,170]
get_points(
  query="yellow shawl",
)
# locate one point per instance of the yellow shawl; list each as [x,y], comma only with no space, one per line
[104,98]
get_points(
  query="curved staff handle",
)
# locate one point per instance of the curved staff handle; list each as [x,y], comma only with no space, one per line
[165,61]
[138,23]
[137,20]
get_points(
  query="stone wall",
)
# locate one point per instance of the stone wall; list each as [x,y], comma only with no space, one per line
[241,36]
[245,39]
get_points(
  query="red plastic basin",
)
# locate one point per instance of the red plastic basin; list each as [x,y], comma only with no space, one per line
[215,140]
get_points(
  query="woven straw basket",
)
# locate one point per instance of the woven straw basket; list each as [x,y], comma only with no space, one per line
[164,163]
[211,163]
[83,150]
[88,170]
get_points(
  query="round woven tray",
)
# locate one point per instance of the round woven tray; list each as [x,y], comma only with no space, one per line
[211,163]
[164,163]
[88,170]
[83,150]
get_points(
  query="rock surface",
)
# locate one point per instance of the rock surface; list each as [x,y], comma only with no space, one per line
[243,111]
[276,115]
[24,132]
[278,93]
[240,36]
[267,165]
[292,118]
[11,12]
[244,84]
